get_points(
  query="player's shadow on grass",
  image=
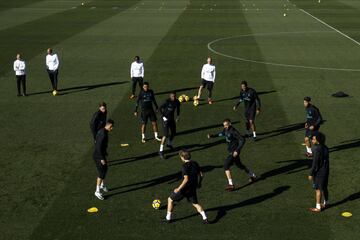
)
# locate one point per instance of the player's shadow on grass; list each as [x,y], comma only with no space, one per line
[295,166]
[237,96]
[178,91]
[192,147]
[346,145]
[70,90]
[352,197]
[171,178]
[221,211]
[281,130]
[199,129]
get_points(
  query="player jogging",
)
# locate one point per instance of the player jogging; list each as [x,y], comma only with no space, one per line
[312,125]
[192,177]
[319,172]
[208,75]
[235,143]
[100,154]
[98,120]
[167,111]
[252,106]
[145,100]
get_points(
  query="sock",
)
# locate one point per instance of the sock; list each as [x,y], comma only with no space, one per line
[326,202]
[97,188]
[169,142]
[230,182]
[203,215]
[102,185]
[318,206]
[156,134]
[143,135]
[168,216]
[161,148]
[254,134]
[308,149]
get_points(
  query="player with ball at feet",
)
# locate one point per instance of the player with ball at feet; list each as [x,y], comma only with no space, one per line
[191,172]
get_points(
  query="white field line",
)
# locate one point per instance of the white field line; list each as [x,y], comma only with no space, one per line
[324,23]
[209,46]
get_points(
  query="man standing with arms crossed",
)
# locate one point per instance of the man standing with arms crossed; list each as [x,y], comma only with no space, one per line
[208,74]
[319,172]
[100,154]
[20,72]
[137,75]
[52,66]
[235,143]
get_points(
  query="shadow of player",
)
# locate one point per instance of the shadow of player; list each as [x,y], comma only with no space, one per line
[221,211]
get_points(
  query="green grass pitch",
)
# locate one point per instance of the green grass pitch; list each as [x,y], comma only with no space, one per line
[48,175]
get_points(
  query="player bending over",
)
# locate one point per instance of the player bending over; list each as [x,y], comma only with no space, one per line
[145,100]
[99,156]
[191,173]
[319,172]
[235,144]
[167,111]
[312,125]
[252,106]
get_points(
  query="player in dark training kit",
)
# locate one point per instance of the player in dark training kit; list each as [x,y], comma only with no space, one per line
[167,111]
[319,172]
[99,156]
[235,143]
[312,125]
[191,172]
[99,119]
[145,100]
[252,106]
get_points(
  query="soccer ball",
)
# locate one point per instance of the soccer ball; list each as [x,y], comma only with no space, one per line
[196,103]
[181,99]
[54,93]
[187,98]
[156,204]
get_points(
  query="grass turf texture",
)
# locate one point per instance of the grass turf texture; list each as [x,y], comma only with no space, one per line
[48,174]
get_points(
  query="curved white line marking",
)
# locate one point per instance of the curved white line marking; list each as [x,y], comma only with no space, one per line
[274,63]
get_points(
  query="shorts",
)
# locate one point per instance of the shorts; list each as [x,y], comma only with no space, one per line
[190,195]
[321,182]
[250,114]
[310,133]
[169,128]
[102,169]
[230,160]
[208,84]
[146,115]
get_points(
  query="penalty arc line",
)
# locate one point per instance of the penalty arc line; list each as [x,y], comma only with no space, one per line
[324,23]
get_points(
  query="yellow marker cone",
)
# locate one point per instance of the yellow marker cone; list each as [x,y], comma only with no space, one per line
[346,214]
[92,210]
